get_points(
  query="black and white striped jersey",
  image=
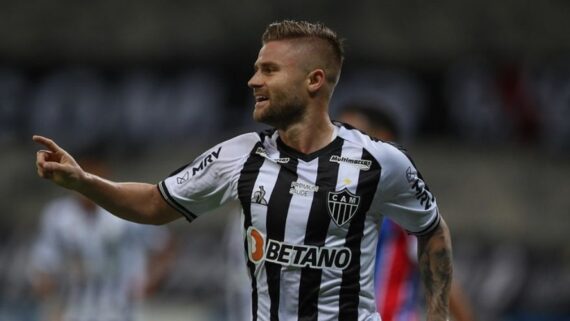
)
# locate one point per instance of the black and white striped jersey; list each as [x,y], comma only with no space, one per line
[310,222]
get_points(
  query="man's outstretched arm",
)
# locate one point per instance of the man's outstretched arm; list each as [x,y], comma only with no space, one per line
[137,202]
[435,263]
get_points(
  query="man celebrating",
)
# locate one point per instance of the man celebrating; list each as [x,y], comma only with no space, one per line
[312,192]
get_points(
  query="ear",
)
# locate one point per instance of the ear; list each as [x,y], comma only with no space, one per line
[316,79]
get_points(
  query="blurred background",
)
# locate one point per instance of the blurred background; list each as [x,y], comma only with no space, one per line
[480,90]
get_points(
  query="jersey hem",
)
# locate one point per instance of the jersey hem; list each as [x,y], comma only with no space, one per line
[173,203]
[430,228]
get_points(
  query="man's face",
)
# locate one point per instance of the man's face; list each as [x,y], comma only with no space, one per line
[279,84]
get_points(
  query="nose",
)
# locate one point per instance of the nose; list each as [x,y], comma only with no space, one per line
[254,81]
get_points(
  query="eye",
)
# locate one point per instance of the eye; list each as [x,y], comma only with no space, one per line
[269,68]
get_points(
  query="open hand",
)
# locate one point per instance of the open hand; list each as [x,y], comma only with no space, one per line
[56,164]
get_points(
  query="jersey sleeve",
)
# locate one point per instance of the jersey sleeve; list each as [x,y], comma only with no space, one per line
[402,194]
[210,180]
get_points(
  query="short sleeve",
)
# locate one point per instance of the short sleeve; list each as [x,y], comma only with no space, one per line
[210,180]
[402,195]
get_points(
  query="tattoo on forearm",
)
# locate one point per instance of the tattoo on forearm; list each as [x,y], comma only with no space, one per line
[436,272]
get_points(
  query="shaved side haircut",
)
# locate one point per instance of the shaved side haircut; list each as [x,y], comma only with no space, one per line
[321,37]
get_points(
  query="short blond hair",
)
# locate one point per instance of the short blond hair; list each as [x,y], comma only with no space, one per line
[291,29]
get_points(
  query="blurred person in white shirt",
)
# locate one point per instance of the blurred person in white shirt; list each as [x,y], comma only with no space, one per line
[96,264]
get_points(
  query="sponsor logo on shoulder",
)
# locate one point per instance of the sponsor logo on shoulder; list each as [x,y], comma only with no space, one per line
[420,188]
[295,255]
[363,164]
[262,152]
[342,206]
[209,159]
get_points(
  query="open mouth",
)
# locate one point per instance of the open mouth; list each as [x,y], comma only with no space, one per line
[259,99]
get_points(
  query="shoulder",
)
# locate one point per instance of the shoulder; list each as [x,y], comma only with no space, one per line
[387,154]
[246,139]
[240,145]
[229,151]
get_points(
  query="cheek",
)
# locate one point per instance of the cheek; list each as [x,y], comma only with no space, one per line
[293,90]
[286,96]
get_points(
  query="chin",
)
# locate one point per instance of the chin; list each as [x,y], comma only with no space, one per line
[262,118]
[261,113]
[257,116]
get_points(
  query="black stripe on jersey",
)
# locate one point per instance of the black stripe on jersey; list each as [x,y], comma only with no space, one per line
[163,191]
[246,183]
[277,209]
[266,133]
[350,286]
[316,234]
[431,226]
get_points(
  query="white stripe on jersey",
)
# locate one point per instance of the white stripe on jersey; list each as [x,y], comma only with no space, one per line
[295,234]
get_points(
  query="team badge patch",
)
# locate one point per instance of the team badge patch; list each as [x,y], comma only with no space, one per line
[342,206]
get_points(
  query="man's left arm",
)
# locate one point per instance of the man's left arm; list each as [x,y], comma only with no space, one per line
[435,264]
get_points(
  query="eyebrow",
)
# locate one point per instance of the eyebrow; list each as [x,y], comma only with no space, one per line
[264,65]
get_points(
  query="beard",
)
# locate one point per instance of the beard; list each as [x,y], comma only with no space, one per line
[282,111]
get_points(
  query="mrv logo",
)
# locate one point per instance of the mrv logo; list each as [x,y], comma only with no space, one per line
[420,188]
[210,158]
[295,255]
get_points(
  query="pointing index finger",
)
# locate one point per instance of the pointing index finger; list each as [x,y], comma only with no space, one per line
[50,144]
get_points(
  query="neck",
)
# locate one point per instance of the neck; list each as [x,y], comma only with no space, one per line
[309,135]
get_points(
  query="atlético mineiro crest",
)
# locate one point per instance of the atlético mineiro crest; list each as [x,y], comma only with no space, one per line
[342,206]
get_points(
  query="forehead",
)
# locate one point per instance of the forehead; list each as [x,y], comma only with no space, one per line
[284,52]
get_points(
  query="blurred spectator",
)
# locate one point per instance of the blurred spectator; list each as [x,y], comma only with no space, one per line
[16,299]
[97,264]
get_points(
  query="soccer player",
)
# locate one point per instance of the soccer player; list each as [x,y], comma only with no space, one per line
[312,192]
[97,266]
